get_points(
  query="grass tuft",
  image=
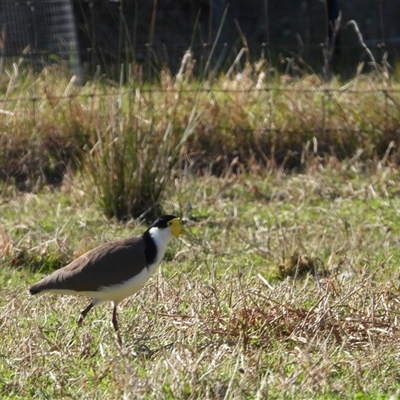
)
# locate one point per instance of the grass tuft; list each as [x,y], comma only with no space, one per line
[300,265]
[134,154]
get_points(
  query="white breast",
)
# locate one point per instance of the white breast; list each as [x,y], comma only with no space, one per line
[119,292]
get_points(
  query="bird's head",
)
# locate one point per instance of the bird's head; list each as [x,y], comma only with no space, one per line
[168,222]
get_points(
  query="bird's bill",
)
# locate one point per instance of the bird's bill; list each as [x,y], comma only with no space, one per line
[176,227]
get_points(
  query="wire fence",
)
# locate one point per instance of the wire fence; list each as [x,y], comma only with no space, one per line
[371,108]
[238,122]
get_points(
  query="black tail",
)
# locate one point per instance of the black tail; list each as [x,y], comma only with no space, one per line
[33,290]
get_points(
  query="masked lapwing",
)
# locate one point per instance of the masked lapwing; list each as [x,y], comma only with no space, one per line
[115,270]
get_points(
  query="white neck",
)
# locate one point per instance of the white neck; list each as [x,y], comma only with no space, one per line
[161,239]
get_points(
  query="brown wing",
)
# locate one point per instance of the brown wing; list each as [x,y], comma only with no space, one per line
[106,265]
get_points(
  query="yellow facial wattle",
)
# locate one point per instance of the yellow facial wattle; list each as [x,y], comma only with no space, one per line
[176,227]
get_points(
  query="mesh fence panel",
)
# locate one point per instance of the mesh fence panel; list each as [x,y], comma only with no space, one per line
[158,32]
[40,30]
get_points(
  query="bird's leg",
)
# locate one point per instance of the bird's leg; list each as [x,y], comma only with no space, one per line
[115,324]
[84,312]
[114,318]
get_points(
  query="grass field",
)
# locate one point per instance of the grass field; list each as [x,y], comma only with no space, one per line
[286,287]
[287,283]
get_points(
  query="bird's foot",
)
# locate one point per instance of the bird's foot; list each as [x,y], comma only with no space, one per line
[119,338]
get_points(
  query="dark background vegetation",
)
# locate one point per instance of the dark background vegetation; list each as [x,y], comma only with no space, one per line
[157,33]
[276,28]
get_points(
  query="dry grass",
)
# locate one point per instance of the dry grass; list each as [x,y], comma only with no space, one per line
[134,154]
[195,340]
[249,115]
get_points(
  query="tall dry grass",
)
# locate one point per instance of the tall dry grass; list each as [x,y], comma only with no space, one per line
[137,144]
[130,135]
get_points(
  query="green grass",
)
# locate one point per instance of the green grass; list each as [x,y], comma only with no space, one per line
[218,320]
